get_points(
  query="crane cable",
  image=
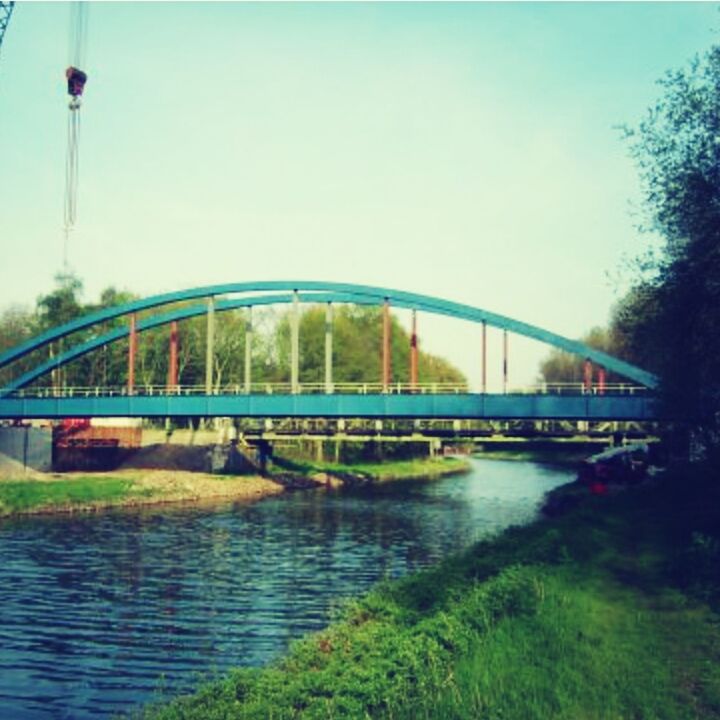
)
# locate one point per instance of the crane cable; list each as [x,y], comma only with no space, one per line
[72,165]
[76,80]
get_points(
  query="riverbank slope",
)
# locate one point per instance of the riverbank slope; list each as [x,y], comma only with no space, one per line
[603,612]
[80,492]
[336,474]
[23,493]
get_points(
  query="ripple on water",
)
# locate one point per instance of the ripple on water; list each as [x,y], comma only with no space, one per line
[98,612]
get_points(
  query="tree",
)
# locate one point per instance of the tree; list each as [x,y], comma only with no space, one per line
[677,149]
[229,348]
[57,308]
[17,324]
[357,349]
[108,365]
[632,325]
[63,303]
[563,367]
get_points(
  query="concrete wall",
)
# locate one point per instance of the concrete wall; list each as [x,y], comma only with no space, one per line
[30,446]
[156,436]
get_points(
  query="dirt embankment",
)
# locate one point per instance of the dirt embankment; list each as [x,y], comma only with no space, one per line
[13,470]
[184,486]
[177,473]
[156,475]
[165,473]
[190,458]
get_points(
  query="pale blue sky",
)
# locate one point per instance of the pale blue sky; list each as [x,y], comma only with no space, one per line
[462,150]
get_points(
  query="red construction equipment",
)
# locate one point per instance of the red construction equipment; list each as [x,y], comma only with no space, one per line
[76,80]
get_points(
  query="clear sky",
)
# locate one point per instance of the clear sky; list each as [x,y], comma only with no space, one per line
[464,150]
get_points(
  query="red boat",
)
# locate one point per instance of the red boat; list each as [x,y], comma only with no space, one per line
[625,464]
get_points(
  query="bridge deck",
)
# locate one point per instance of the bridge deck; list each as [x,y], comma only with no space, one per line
[456,406]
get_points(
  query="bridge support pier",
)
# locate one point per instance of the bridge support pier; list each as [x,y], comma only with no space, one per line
[329,349]
[210,346]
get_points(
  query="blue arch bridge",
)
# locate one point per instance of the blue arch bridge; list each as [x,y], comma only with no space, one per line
[593,399]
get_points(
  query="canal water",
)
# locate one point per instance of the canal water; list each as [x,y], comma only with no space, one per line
[100,613]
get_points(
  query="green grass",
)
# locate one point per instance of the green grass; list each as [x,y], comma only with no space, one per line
[382,471]
[602,613]
[592,650]
[26,495]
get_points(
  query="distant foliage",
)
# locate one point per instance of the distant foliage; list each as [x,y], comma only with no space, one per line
[357,347]
[677,150]
[17,324]
[632,326]
[628,336]
[563,367]
[669,322]
[59,306]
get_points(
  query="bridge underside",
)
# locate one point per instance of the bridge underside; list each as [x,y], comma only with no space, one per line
[460,406]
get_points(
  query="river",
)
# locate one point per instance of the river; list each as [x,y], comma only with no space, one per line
[100,613]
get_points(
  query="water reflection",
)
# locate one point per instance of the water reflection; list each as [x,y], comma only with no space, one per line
[95,610]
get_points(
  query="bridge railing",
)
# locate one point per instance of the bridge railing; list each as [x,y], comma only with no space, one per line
[579,388]
[320,388]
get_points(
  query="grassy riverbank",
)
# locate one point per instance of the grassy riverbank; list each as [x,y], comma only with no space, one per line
[604,612]
[79,492]
[426,467]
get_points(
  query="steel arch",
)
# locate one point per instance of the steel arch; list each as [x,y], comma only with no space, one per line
[316,291]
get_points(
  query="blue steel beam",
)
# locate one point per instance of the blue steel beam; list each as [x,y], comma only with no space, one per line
[465,406]
[375,294]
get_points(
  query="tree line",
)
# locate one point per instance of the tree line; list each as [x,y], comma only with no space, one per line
[357,345]
[669,321]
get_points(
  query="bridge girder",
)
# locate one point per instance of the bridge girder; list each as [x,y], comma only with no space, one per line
[469,406]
